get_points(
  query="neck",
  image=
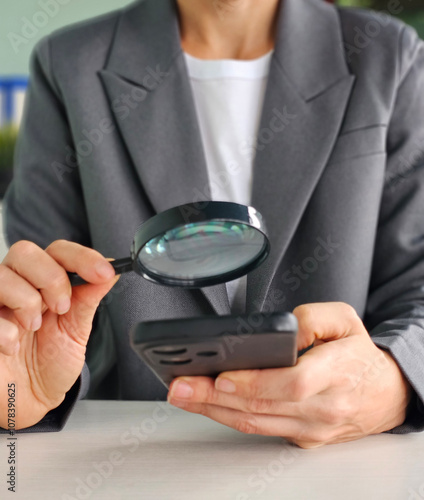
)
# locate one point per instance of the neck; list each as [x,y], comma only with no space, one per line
[227,29]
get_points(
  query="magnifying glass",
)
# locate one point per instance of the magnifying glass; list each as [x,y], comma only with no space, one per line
[193,248]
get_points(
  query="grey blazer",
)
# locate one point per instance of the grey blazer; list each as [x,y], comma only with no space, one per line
[110,137]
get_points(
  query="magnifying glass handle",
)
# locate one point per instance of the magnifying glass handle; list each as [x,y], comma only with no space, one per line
[121,266]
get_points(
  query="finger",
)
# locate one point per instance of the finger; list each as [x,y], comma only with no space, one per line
[202,390]
[321,419]
[307,434]
[42,272]
[95,269]
[85,301]
[309,377]
[9,338]
[46,270]
[326,321]
[248,423]
[20,296]
[86,262]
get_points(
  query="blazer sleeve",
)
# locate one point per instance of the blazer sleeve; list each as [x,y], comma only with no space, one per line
[395,308]
[45,202]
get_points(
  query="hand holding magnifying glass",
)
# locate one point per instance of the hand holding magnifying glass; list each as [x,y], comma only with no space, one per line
[193,248]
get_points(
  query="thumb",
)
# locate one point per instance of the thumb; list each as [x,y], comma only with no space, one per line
[84,303]
[326,321]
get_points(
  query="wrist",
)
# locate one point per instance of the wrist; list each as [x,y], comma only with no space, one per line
[399,392]
[17,416]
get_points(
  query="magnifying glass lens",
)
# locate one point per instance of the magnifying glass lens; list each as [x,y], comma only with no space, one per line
[202,250]
[222,242]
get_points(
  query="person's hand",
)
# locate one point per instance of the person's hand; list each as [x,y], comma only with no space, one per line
[45,324]
[342,389]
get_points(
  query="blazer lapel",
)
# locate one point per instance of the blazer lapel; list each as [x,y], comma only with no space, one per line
[308,90]
[150,95]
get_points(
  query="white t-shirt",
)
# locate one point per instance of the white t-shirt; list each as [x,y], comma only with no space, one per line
[229,97]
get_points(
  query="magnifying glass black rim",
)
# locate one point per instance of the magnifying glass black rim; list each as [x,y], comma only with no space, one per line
[190,213]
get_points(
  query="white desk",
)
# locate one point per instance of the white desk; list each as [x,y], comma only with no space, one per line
[183,456]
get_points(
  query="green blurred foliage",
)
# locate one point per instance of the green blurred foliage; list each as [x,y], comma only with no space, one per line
[410,11]
[8,135]
[355,3]
[406,5]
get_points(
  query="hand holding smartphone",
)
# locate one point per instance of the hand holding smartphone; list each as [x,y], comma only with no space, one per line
[210,345]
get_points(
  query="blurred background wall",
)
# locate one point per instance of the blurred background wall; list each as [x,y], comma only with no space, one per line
[24,22]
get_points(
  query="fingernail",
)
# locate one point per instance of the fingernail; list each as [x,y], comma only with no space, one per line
[181,390]
[104,270]
[36,324]
[225,385]
[178,404]
[63,305]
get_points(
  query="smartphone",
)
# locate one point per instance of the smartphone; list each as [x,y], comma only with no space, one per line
[209,345]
